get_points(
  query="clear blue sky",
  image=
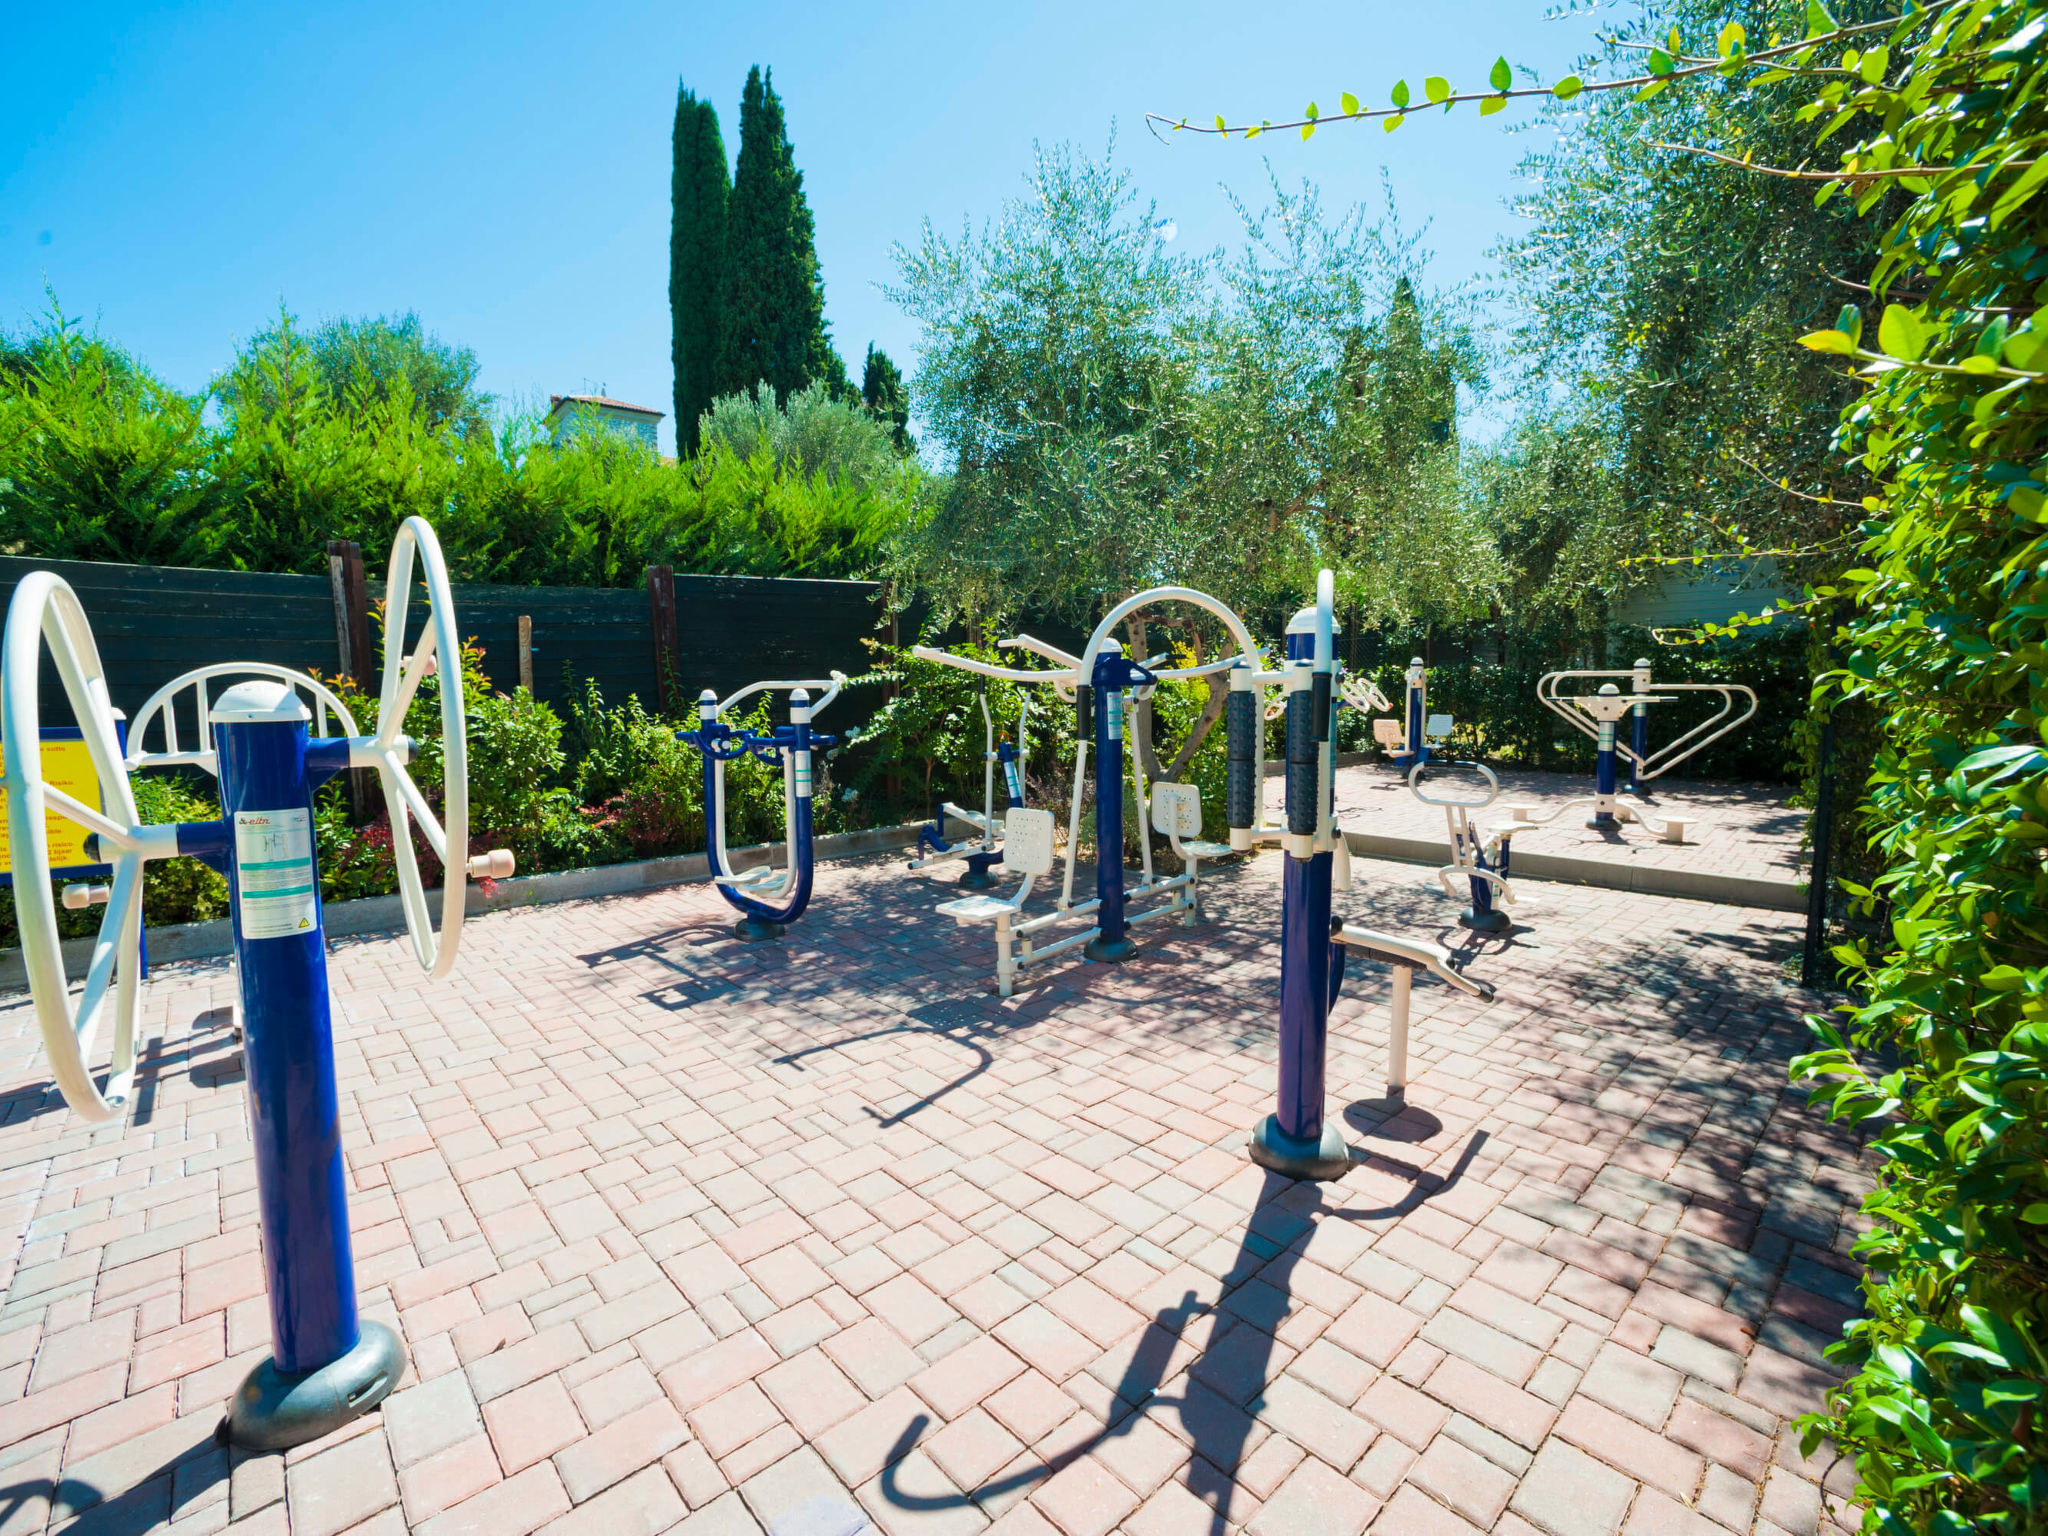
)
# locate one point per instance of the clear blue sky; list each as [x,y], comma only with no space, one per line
[174,172]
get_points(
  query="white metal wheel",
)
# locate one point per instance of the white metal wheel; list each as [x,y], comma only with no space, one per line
[44,608]
[162,709]
[447,834]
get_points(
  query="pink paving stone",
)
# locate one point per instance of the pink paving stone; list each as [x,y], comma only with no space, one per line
[1315,1502]
[449,1476]
[532,1423]
[511,1508]
[341,1487]
[872,1354]
[1084,1499]
[620,1448]
[1411,1512]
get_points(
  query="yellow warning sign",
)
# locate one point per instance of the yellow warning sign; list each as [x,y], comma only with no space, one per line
[67,765]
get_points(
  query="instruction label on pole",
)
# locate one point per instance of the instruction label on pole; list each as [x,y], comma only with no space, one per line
[274,870]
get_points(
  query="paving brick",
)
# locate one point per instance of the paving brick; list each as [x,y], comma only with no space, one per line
[1084,1499]
[1568,1493]
[697,1378]
[1632,1383]
[422,1419]
[512,1508]
[873,1355]
[448,1476]
[1623,1443]
[611,1454]
[1411,1512]
[341,1487]
[1464,1480]
[1519,1415]
[1374,1329]
[965,1377]
[531,1423]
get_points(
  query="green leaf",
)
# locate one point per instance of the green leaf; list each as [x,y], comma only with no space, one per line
[1568,87]
[1253,131]
[1872,65]
[1349,103]
[2018,193]
[1491,105]
[1310,112]
[1901,334]
[1436,88]
[1850,320]
[1220,128]
[1501,77]
[2027,348]
[1830,341]
[2036,1213]
[1991,341]
[1654,88]
[1391,123]
[1400,93]
[1308,130]
[1660,62]
[1731,40]
[1977,364]
[1818,21]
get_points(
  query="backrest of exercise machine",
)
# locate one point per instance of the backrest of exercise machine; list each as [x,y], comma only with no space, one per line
[1027,841]
[1439,726]
[1389,732]
[1177,810]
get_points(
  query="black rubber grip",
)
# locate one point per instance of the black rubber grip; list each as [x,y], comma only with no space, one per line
[1302,774]
[1084,712]
[1319,690]
[1240,727]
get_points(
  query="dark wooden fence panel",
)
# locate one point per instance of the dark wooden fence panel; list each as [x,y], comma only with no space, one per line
[151,624]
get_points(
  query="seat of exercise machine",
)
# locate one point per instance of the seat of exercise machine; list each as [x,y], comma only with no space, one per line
[975,909]
[1415,954]
[1202,850]
[759,875]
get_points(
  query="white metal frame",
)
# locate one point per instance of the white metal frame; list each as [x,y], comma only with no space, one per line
[1465,843]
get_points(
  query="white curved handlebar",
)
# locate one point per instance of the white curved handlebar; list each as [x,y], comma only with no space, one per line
[831,685]
[164,702]
[1673,752]
[1492,785]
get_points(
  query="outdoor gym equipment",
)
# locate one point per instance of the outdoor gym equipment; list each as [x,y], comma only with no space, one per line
[1483,861]
[985,851]
[327,1364]
[1097,681]
[1599,715]
[1296,1139]
[768,899]
[1406,740]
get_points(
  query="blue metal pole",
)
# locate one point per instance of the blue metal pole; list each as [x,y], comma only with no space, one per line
[326,1365]
[1605,777]
[1639,728]
[1111,942]
[1418,694]
[1295,1139]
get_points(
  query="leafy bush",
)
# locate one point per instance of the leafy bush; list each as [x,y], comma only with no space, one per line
[812,434]
[345,433]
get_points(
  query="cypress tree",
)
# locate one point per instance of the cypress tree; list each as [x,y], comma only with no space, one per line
[773,299]
[885,395]
[699,190]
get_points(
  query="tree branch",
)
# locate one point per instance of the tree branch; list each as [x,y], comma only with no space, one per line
[1844,175]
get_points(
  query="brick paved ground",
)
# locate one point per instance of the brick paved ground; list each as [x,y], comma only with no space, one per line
[685,1235]
[1738,829]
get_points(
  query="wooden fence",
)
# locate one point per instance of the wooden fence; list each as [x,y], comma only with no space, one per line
[663,642]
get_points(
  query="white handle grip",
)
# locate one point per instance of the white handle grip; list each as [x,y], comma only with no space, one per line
[495,865]
[78,897]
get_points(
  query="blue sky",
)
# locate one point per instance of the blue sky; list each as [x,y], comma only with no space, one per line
[174,172]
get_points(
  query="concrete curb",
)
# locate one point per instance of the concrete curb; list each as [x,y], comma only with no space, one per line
[1650,880]
[382,914]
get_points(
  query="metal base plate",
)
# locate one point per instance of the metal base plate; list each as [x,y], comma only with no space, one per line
[272,1411]
[1110,951]
[1297,1157]
[978,880]
[1495,921]
[757,930]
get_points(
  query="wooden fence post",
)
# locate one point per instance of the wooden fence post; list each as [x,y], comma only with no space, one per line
[351,592]
[526,653]
[661,619]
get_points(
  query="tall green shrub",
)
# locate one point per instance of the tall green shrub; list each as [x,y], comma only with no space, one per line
[699,188]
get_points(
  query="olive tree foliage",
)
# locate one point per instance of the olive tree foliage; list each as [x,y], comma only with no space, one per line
[1117,415]
[1668,293]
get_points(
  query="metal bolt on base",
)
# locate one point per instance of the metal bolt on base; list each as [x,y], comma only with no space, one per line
[273,1410]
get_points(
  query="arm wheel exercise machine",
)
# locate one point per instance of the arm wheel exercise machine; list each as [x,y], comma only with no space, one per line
[327,1365]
